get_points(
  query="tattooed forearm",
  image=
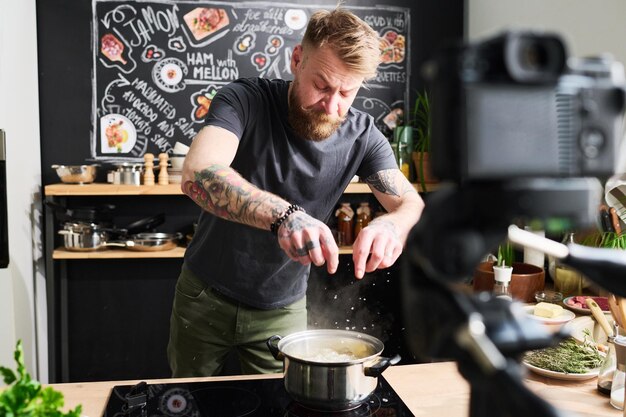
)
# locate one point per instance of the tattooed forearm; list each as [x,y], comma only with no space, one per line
[408,188]
[383,181]
[222,191]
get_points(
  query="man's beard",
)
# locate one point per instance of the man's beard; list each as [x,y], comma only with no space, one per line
[313,125]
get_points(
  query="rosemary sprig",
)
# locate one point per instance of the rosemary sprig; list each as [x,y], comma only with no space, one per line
[568,357]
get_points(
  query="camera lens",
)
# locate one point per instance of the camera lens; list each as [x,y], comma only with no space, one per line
[533,56]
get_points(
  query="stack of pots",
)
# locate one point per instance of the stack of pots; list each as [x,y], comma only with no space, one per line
[89,229]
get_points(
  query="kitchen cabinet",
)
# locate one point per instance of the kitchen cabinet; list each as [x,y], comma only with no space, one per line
[105,306]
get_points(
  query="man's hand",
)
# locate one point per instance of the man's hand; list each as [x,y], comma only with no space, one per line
[380,242]
[306,239]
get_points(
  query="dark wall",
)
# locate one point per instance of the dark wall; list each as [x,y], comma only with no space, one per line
[118,310]
[65,66]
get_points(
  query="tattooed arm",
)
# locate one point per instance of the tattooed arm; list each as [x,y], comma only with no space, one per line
[211,183]
[382,240]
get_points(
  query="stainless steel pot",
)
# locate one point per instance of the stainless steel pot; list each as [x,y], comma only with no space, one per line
[330,370]
[84,237]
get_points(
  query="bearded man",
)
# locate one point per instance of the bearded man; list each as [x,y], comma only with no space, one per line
[268,169]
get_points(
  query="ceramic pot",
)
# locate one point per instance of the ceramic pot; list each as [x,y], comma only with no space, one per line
[525,280]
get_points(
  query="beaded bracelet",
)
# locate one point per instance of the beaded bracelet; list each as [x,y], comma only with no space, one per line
[283,216]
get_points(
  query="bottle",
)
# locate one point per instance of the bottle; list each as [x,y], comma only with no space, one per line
[502,275]
[567,281]
[403,156]
[605,374]
[403,139]
[345,224]
[363,216]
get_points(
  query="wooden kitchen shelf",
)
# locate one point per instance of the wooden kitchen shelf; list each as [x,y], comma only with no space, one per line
[170,189]
[179,252]
[61,253]
[110,189]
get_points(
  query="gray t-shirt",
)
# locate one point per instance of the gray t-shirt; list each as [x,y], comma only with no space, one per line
[246,263]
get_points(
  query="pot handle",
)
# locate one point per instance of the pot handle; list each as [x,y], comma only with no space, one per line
[119,244]
[272,345]
[383,363]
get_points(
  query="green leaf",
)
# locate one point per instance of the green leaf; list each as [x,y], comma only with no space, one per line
[7,375]
[25,397]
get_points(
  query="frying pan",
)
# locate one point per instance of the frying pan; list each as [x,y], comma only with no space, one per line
[150,242]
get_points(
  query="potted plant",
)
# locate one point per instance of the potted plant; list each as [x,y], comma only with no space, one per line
[526,279]
[420,121]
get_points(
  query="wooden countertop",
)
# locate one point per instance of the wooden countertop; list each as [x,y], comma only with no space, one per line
[433,389]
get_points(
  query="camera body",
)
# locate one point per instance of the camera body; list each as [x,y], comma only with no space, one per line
[514,106]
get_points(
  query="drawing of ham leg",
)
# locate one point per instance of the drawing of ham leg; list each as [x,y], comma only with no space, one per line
[112,48]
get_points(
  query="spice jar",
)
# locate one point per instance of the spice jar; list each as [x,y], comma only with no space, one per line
[605,374]
[345,224]
[363,216]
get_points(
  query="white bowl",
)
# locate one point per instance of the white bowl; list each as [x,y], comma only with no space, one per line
[552,323]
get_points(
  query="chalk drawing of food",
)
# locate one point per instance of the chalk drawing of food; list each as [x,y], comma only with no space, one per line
[112,48]
[392,47]
[118,134]
[203,21]
[202,102]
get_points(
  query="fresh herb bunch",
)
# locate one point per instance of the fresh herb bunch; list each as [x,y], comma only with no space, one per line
[25,397]
[609,240]
[568,357]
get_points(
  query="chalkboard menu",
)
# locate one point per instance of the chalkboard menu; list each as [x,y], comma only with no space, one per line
[158,64]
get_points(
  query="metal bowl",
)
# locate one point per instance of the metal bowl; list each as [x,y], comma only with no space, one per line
[76,174]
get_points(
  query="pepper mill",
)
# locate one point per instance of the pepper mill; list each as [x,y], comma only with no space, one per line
[163,177]
[148,174]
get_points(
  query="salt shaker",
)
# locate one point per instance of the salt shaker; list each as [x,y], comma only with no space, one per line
[619,377]
[502,276]
[163,176]
[148,175]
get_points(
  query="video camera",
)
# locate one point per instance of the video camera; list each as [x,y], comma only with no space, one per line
[519,133]
[513,106]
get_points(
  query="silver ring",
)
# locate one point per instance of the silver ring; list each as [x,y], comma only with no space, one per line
[302,252]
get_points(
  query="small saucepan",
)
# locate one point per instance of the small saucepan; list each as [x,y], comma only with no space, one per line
[86,237]
[330,370]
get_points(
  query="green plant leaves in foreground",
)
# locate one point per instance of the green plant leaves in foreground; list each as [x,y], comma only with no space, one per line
[24,397]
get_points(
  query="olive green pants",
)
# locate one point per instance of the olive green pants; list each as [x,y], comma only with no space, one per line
[206,326]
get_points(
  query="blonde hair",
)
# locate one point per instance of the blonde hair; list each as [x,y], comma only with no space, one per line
[353,40]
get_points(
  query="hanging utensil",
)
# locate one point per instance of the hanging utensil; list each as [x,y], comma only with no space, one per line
[615,221]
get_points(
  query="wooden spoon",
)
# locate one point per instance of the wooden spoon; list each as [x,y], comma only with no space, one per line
[615,310]
[599,316]
[621,304]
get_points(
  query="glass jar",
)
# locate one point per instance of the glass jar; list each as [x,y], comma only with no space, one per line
[363,216]
[605,374]
[567,281]
[345,224]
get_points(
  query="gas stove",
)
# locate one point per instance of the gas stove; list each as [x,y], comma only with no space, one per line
[254,398]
